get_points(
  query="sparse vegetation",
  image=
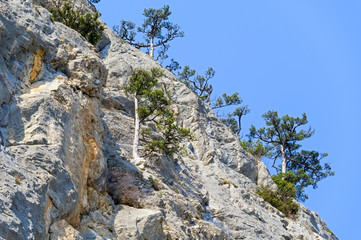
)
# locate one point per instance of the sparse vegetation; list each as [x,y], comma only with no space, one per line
[123,188]
[283,199]
[86,24]
[256,148]
[155,183]
[329,231]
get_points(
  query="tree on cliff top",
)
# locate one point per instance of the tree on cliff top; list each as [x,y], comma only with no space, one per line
[302,168]
[87,24]
[157,30]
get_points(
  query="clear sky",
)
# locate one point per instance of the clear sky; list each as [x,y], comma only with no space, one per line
[289,56]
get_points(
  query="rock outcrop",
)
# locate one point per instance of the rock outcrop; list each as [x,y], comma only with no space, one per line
[66,130]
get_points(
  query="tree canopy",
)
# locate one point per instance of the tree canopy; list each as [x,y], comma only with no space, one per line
[282,136]
[87,24]
[156,29]
[152,105]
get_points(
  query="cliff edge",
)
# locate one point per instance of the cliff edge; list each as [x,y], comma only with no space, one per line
[66,129]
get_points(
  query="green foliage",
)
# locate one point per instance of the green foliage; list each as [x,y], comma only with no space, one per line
[86,24]
[142,82]
[231,123]
[173,66]
[203,89]
[94,1]
[329,231]
[197,83]
[303,168]
[155,183]
[156,29]
[256,148]
[169,137]
[126,31]
[282,131]
[227,100]
[283,198]
[163,135]
[238,113]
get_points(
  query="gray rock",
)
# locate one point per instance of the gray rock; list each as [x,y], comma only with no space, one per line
[132,223]
[264,177]
[66,126]
[61,230]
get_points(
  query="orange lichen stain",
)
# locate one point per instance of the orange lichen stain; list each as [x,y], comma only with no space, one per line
[37,65]
[47,214]
[92,150]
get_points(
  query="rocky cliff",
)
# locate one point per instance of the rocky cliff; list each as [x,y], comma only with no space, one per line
[66,128]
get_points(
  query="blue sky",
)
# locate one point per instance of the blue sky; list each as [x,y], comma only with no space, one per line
[288,56]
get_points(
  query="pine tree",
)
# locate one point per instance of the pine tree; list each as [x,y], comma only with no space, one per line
[152,105]
[156,29]
[87,24]
[281,137]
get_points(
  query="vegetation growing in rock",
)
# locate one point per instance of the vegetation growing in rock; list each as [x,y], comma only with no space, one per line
[203,89]
[86,24]
[256,148]
[300,167]
[123,188]
[157,31]
[152,106]
[155,183]
[283,199]
[234,119]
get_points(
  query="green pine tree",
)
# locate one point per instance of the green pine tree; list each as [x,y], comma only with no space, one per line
[87,24]
[152,106]
[282,136]
[156,29]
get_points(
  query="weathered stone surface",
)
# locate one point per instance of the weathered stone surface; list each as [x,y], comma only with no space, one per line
[66,130]
[61,230]
[264,177]
[132,223]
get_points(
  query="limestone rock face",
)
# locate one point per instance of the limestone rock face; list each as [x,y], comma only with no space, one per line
[66,130]
[264,178]
[132,223]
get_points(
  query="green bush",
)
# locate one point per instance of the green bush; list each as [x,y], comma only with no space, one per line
[283,198]
[86,24]
[256,148]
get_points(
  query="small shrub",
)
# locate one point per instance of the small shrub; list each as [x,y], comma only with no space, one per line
[124,190]
[283,198]
[256,148]
[86,24]
[155,183]
[176,190]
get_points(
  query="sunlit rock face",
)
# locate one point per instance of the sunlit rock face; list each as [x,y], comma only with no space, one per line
[66,133]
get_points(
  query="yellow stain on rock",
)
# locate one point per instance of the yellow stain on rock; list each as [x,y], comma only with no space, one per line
[37,65]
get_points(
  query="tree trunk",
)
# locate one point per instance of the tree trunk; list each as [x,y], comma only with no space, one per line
[151,53]
[136,129]
[284,162]
[239,125]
